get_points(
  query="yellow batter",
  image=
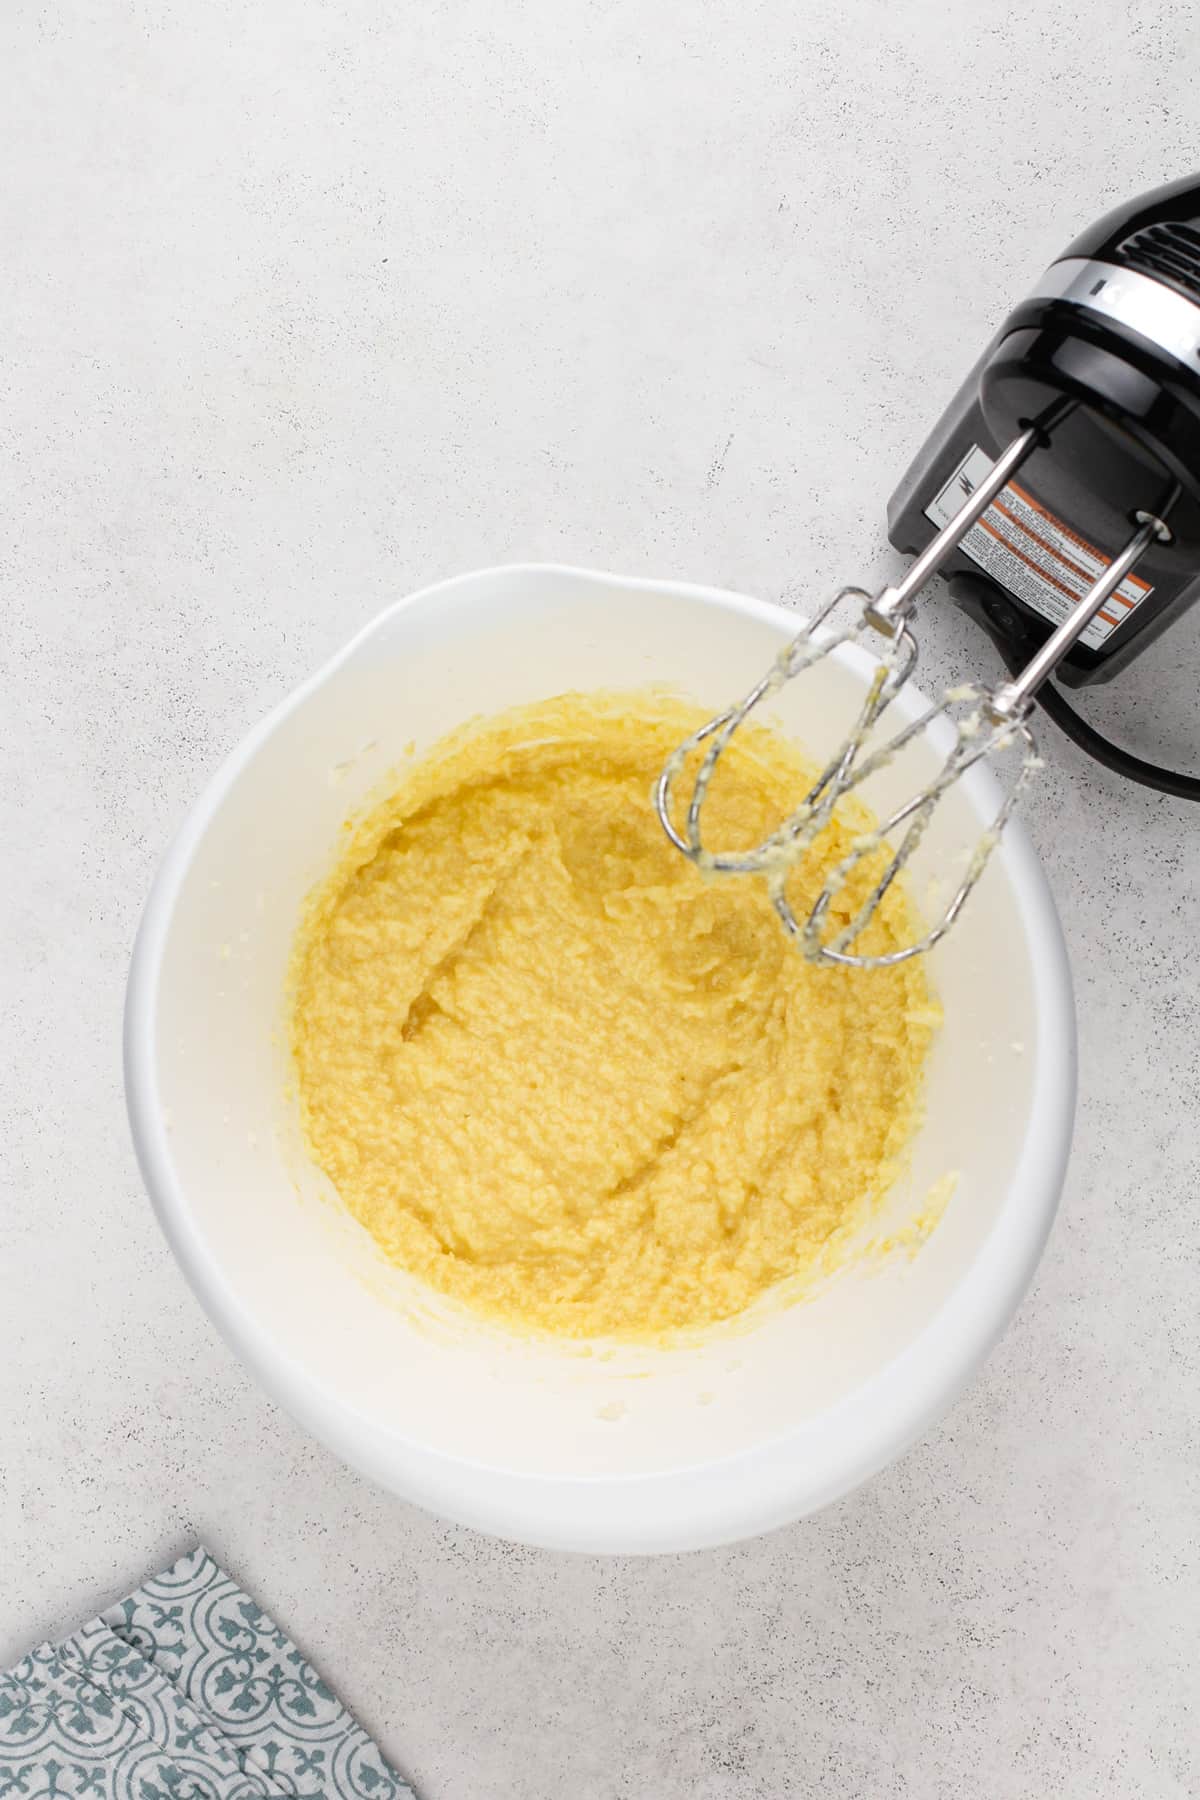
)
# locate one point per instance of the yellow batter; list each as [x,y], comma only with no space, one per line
[563,1077]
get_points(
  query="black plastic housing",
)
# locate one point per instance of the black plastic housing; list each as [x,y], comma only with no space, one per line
[1121,418]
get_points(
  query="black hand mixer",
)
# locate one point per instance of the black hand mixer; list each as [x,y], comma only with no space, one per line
[1060,494]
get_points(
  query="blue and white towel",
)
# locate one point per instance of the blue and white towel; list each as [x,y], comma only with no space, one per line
[185,1691]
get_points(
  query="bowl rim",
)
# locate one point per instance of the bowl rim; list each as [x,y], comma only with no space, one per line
[736,1496]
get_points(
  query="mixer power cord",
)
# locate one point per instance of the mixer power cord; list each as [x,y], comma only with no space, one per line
[1017,644]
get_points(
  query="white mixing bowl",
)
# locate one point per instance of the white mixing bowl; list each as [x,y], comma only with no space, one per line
[632,1450]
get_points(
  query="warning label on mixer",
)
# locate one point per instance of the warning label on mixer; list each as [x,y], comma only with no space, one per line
[1032,553]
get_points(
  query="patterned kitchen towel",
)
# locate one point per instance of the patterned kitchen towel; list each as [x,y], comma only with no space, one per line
[185,1691]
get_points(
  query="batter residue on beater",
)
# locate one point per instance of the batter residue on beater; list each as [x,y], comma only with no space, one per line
[568,1080]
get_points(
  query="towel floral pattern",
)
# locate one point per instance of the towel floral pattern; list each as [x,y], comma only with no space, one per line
[184,1691]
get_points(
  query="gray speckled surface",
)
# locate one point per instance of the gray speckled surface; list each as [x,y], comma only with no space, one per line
[302,306]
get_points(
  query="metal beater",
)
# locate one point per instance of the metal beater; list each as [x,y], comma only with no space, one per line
[1093,388]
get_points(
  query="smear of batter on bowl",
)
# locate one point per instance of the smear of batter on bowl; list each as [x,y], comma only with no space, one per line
[566,1079]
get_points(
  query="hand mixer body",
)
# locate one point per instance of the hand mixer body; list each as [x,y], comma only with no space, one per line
[1104,356]
[1060,493]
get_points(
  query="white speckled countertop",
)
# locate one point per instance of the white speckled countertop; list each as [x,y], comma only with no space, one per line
[304,305]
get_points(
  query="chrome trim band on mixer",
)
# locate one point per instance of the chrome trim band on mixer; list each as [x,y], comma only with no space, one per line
[1167,318]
